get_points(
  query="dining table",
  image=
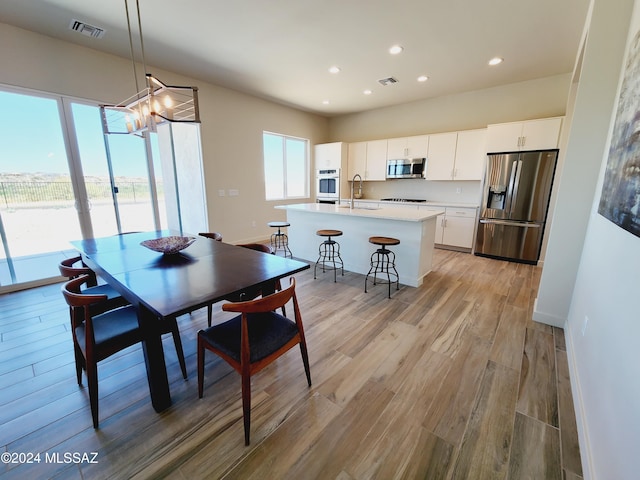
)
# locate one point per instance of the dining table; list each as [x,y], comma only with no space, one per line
[164,286]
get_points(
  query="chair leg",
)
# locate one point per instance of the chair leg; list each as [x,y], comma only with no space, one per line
[79,362]
[179,351]
[246,405]
[92,381]
[209,313]
[200,366]
[305,359]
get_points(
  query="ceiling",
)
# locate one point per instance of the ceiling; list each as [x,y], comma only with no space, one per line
[281,50]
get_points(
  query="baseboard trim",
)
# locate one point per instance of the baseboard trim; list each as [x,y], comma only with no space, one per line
[578,405]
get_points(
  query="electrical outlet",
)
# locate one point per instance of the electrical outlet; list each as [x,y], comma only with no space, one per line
[233,192]
[221,192]
[458,190]
[584,325]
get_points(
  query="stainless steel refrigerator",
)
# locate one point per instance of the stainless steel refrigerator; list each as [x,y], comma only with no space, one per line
[515,201]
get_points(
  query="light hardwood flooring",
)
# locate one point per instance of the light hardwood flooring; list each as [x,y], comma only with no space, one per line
[451,380]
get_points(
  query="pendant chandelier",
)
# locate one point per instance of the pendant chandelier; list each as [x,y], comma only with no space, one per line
[152,105]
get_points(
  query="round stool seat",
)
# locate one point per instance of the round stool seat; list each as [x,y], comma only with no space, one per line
[384,241]
[329,233]
[279,224]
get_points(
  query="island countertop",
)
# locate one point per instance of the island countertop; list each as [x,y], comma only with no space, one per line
[413,227]
[382,213]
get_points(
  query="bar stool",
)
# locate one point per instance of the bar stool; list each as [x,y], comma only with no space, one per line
[382,260]
[329,252]
[280,240]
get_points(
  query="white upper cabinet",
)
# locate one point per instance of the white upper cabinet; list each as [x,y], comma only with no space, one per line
[408,147]
[471,151]
[539,134]
[368,159]
[331,155]
[376,160]
[441,156]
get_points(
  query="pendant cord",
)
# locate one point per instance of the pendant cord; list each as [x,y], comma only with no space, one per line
[133,60]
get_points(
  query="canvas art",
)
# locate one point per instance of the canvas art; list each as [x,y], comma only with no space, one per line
[620,198]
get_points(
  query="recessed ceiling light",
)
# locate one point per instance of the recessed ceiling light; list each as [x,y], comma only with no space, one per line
[496,61]
[368,92]
[325,102]
[423,78]
[334,69]
[396,49]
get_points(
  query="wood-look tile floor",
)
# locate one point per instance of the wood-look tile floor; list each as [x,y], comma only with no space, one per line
[451,380]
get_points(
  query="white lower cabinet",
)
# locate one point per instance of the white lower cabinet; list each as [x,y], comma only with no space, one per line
[455,228]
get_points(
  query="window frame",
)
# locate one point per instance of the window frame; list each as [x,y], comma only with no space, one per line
[286,166]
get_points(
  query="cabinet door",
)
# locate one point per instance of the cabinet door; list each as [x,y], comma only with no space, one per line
[329,155]
[471,152]
[458,231]
[442,152]
[541,134]
[504,137]
[376,160]
[440,219]
[357,159]
[397,148]
[418,146]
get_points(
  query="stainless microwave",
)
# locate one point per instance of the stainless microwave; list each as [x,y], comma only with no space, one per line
[406,168]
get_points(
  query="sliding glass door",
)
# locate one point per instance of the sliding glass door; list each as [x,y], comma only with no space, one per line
[61,179]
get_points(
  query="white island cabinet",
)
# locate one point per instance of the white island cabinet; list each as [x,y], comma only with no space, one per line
[414,228]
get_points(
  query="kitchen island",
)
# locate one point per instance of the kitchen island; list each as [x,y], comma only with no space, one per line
[414,228]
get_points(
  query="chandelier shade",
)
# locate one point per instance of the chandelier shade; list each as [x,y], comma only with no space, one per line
[156,104]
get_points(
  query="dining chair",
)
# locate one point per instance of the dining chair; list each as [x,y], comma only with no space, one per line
[212,235]
[74,268]
[254,339]
[248,294]
[97,336]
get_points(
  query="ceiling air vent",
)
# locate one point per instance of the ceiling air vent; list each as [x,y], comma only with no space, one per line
[387,81]
[86,29]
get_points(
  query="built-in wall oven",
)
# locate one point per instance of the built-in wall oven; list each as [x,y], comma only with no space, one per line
[328,185]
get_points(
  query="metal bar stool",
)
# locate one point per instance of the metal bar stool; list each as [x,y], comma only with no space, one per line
[279,240]
[329,252]
[382,260]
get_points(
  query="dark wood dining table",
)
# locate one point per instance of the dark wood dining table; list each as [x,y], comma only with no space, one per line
[166,286]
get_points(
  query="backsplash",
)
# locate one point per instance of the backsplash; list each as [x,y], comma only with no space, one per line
[469,191]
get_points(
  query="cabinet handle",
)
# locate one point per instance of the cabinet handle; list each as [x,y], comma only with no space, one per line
[524,140]
[519,140]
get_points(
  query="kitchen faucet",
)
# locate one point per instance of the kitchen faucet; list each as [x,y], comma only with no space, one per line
[353,180]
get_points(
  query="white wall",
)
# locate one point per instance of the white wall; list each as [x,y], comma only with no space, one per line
[606,358]
[544,97]
[578,174]
[232,123]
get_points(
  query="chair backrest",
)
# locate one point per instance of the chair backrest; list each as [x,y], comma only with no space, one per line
[259,247]
[73,268]
[213,235]
[73,296]
[267,304]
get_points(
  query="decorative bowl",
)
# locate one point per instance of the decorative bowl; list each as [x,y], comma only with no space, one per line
[168,245]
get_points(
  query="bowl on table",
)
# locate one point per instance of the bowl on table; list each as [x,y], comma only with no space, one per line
[168,245]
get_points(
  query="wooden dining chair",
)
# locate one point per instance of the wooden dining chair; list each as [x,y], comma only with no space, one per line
[254,339]
[74,268]
[97,336]
[249,294]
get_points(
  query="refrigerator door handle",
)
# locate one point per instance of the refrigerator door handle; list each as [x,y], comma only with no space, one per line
[510,195]
[516,171]
[510,223]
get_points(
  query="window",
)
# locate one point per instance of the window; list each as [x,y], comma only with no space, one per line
[286,165]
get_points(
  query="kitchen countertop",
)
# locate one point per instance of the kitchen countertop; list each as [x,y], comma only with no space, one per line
[428,203]
[402,214]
